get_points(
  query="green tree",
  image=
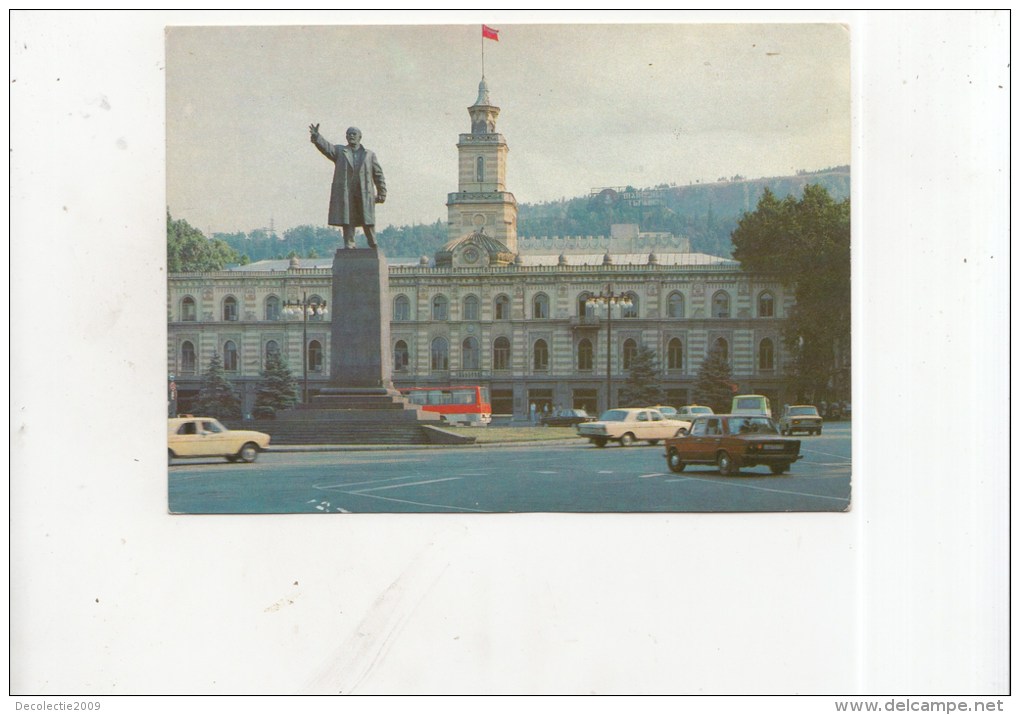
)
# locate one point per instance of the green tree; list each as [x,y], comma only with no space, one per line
[642,387]
[217,397]
[805,243]
[714,385]
[189,251]
[278,389]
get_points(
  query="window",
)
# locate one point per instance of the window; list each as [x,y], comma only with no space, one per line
[480,169]
[230,356]
[401,356]
[721,305]
[272,308]
[766,305]
[723,347]
[766,355]
[540,307]
[501,308]
[583,309]
[314,356]
[675,305]
[471,308]
[440,354]
[541,355]
[469,354]
[401,308]
[230,308]
[501,354]
[188,309]
[317,307]
[187,356]
[675,355]
[272,348]
[440,308]
[630,311]
[629,353]
[585,355]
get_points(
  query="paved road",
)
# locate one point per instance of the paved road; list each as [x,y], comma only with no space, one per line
[573,477]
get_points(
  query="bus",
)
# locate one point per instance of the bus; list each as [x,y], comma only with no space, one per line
[463,404]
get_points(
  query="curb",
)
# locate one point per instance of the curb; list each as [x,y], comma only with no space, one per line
[407,447]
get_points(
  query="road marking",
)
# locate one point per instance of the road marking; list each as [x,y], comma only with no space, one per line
[653,474]
[401,486]
[827,454]
[546,472]
[781,491]
[605,471]
[358,484]
[418,503]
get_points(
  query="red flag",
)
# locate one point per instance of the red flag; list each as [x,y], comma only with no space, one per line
[489,33]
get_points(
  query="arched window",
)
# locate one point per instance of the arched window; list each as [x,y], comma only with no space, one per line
[501,308]
[583,309]
[501,354]
[188,309]
[480,169]
[230,308]
[675,355]
[675,306]
[469,354]
[471,308]
[272,308]
[766,305]
[230,356]
[440,354]
[401,356]
[440,308]
[317,309]
[585,355]
[721,304]
[187,356]
[541,355]
[766,355]
[314,356]
[540,307]
[629,353]
[631,310]
[723,347]
[272,348]
[401,308]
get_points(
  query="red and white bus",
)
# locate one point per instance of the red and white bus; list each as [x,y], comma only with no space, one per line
[463,404]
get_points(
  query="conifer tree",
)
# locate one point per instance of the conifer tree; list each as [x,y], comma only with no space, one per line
[217,397]
[642,387]
[714,386]
[278,389]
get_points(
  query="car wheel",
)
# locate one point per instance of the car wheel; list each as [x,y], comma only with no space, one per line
[818,431]
[726,464]
[627,440]
[674,461]
[599,441]
[249,452]
[779,468]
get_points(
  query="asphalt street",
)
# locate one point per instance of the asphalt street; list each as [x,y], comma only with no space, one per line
[535,477]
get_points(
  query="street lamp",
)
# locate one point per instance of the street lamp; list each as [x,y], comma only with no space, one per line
[607,299]
[304,308]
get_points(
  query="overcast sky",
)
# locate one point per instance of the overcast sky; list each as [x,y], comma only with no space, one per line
[582,106]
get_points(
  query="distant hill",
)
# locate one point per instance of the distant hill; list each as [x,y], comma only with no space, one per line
[705,213]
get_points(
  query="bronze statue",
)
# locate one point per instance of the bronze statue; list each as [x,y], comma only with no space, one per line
[358,184]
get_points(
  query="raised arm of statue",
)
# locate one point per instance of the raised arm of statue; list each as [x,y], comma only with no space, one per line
[321,143]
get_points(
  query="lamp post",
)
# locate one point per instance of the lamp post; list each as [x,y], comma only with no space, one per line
[304,308]
[608,299]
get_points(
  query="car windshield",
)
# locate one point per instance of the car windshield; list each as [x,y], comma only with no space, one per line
[667,411]
[614,416]
[701,410]
[803,411]
[752,425]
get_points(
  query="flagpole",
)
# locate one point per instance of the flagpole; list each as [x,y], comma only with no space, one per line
[483,55]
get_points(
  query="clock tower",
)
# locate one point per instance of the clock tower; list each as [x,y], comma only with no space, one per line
[482,203]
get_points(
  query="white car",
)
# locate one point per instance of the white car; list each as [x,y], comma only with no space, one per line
[189,437]
[627,426]
[689,412]
[800,418]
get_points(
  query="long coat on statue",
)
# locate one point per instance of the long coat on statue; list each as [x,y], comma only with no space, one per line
[357,179]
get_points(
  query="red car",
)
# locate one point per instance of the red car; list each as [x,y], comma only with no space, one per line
[732,442]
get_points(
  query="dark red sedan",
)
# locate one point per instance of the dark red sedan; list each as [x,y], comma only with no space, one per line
[732,442]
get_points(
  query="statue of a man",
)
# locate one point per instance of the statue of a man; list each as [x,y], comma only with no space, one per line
[358,184]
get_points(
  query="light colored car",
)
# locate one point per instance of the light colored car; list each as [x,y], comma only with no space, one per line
[751,405]
[668,412]
[627,426]
[189,437]
[689,412]
[800,418]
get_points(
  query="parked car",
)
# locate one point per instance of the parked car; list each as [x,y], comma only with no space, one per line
[567,418]
[668,412]
[800,418]
[732,442]
[629,425]
[189,436]
[751,405]
[689,412]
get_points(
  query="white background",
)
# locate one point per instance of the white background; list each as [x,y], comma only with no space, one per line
[905,594]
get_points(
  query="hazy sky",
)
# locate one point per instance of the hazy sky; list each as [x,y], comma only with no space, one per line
[582,106]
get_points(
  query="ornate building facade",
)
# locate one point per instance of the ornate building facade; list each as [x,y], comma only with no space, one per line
[483,311]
